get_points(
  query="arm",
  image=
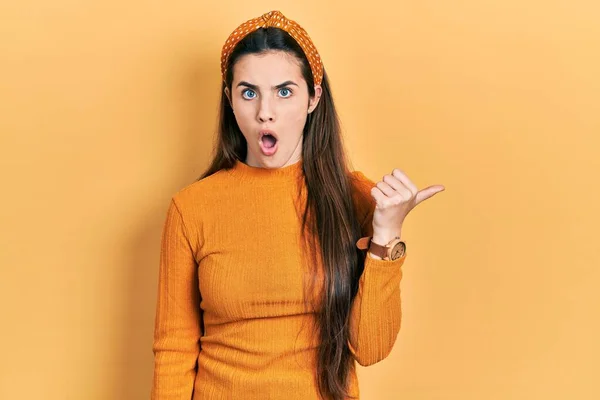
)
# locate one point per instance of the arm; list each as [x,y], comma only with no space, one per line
[376,310]
[177,328]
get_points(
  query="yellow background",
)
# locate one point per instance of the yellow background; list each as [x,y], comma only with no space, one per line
[109,107]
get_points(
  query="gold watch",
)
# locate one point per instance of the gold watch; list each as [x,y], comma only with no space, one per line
[395,248]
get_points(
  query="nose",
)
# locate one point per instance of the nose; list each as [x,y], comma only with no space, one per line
[266,111]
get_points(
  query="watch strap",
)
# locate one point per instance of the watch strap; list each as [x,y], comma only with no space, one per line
[377,249]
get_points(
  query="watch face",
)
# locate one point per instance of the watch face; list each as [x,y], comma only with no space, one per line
[397,251]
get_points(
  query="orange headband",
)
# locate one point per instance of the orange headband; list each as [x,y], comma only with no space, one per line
[278,20]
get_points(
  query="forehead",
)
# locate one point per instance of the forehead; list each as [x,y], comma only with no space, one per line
[270,68]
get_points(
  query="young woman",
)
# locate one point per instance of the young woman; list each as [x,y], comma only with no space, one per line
[279,267]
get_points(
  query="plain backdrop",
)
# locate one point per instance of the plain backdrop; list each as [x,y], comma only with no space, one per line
[107,108]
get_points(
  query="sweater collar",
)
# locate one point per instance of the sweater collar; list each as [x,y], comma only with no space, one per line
[289,173]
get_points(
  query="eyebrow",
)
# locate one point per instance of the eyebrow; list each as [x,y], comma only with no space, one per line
[254,87]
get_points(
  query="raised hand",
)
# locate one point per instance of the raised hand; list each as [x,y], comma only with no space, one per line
[395,196]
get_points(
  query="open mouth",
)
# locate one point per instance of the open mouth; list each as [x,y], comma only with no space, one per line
[268,142]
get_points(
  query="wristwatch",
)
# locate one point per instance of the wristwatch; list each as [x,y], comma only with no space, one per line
[395,249]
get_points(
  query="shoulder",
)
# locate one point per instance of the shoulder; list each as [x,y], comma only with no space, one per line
[361,180]
[361,193]
[361,184]
[201,192]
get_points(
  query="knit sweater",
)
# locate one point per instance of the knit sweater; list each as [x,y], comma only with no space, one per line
[233,320]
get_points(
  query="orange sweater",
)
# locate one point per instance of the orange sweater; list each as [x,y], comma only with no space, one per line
[231,318]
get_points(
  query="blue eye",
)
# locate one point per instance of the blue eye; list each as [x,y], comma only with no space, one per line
[285,90]
[248,94]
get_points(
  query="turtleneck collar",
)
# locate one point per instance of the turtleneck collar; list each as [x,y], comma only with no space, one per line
[289,173]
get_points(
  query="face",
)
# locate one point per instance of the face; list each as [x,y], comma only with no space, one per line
[270,101]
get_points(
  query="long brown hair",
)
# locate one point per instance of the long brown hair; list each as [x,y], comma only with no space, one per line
[329,212]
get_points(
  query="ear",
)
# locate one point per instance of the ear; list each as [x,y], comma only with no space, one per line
[314,101]
[228,96]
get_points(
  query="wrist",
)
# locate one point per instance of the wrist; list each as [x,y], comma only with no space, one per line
[382,238]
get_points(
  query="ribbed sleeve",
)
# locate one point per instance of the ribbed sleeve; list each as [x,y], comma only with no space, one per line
[177,325]
[376,312]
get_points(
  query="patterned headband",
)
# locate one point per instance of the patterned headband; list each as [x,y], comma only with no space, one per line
[278,20]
